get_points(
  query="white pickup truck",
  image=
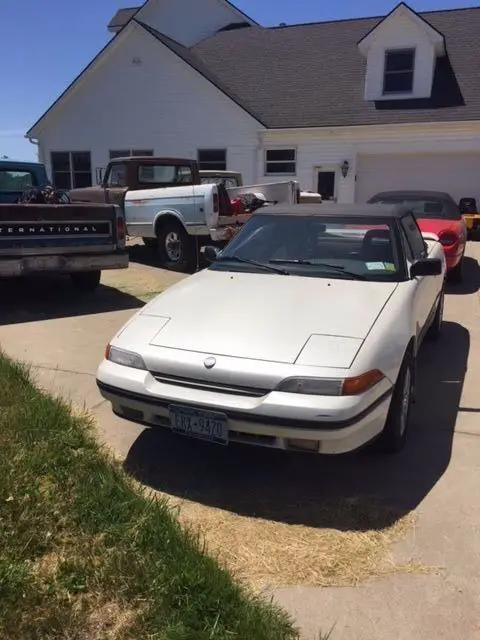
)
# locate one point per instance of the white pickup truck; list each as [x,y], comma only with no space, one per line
[166,204]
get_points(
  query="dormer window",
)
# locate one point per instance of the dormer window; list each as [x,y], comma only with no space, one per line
[399,71]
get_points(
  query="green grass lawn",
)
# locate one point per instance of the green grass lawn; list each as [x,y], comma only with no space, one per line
[84,554]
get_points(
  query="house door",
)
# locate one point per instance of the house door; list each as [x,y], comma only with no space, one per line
[326,184]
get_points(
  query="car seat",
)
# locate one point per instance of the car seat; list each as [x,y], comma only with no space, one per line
[377,246]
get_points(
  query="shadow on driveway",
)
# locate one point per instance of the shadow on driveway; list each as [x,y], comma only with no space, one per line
[294,488]
[44,298]
[141,254]
[471,279]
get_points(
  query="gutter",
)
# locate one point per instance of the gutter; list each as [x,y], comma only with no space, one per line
[35,142]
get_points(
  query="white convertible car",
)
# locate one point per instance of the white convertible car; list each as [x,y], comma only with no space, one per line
[302,334]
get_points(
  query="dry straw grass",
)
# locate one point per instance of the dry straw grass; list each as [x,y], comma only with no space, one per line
[271,554]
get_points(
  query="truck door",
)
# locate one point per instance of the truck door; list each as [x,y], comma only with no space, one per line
[116,183]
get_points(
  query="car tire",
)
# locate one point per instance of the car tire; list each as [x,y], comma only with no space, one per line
[176,249]
[435,329]
[394,436]
[150,243]
[456,274]
[86,280]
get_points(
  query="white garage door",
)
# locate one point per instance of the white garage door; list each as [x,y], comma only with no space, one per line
[456,173]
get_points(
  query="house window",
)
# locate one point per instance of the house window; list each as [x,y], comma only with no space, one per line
[213,159]
[280,162]
[71,169]
[130,152]
[399,69]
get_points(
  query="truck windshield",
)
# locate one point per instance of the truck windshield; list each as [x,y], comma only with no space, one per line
[164,174]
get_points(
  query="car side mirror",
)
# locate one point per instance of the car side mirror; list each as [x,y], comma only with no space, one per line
[211,253]
[427,267]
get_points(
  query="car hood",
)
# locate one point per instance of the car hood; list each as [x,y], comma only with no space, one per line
[266,316]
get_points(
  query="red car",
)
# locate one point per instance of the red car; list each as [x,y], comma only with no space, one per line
[436,212]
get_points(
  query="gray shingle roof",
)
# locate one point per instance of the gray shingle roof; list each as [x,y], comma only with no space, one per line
[313,75]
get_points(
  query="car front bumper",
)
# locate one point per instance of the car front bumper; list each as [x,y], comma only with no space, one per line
[291,428]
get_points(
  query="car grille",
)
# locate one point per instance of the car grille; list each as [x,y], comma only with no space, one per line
[216,387]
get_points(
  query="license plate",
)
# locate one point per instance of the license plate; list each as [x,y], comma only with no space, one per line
[204,425]
[42,263]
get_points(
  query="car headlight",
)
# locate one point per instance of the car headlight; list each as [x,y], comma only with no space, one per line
[331,386]
[312,386]
[124,358]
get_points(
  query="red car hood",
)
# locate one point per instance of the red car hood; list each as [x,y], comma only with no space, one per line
[437,225]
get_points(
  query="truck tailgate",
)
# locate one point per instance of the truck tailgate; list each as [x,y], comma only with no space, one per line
[29,229]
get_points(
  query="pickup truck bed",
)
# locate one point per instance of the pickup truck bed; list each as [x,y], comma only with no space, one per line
[76,239]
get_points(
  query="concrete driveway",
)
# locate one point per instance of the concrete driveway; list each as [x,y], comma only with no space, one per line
[64,336]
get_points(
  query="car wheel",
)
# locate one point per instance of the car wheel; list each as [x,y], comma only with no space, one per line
[175,247]
[150,243]
[456,274]
[86,280]
[394,436]
[435,330]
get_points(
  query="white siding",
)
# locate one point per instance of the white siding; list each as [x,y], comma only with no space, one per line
[328,148]
[188,21]
[398,33]
[455,173]
[312,156]
[160,104]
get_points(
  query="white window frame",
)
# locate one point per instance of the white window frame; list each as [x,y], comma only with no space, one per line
[385,72]
[72,172]
[267,162]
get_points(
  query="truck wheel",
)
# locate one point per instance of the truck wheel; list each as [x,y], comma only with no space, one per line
[150,243]
[86,280]
[394,436]
[176,249]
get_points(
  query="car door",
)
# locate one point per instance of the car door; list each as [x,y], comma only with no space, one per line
[423,287]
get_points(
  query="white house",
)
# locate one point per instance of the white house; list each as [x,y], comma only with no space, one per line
[349,107]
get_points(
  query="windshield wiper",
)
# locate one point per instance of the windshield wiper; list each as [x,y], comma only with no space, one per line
[334,267]
[253,263]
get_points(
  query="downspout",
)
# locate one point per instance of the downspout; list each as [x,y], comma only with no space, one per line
[33,141]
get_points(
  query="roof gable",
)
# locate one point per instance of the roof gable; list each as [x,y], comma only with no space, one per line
[92,66]
[188,22]
[403,11]
[122,16]
[187,55]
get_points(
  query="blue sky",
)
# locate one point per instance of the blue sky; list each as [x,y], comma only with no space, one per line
[48,42]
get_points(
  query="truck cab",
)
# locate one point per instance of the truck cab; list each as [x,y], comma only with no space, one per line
[230,179]
[138,173]
[17,176]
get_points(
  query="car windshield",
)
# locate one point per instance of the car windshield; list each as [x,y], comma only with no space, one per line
[360,248]
[423,207]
